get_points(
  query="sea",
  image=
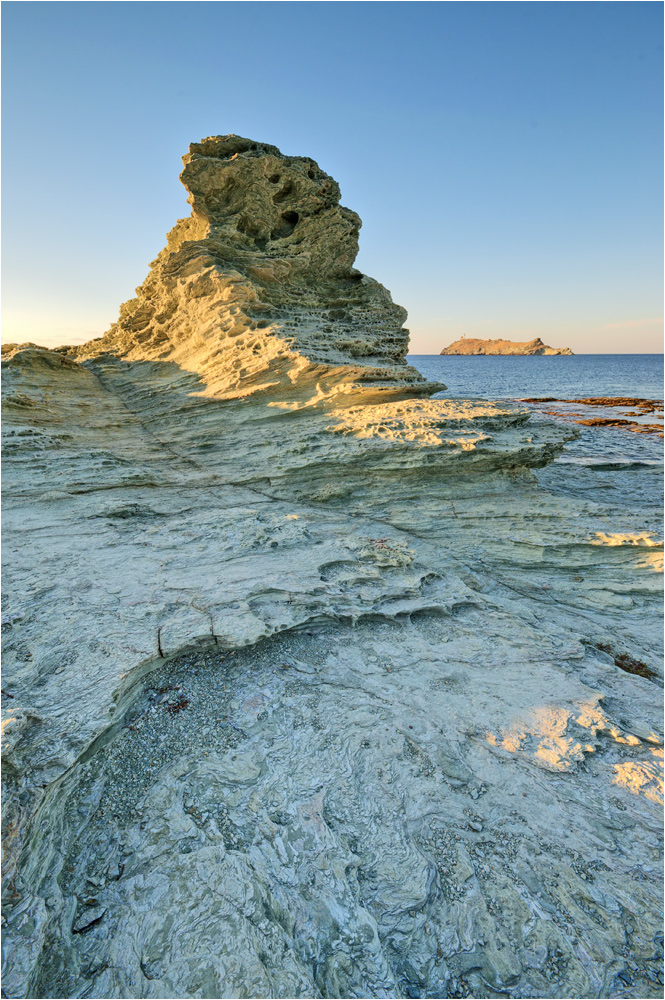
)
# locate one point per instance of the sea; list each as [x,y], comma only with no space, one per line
[565,377]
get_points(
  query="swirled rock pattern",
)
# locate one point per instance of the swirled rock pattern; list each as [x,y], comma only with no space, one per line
[312,686]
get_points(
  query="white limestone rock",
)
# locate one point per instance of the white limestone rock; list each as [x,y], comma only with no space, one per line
[312,687]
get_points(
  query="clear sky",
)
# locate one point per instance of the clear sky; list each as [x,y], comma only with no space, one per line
[505,157]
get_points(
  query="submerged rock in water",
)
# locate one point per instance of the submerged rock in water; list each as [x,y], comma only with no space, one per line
[594,414]
[312,686]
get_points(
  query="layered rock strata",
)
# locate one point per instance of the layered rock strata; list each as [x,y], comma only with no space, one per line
[312,686]
[256,290]
[473,345]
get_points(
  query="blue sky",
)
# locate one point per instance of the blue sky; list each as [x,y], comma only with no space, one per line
[505,157]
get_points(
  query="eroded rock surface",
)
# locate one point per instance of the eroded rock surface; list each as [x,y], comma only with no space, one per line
[257,287]
[312,686]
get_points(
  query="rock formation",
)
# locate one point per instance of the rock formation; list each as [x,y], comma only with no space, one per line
[257,288]
[596,409]
[312,687]
[472,345]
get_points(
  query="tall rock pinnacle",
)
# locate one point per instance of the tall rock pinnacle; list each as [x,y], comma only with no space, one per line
[258,284]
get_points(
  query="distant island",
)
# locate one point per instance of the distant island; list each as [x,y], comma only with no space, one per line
[472,345]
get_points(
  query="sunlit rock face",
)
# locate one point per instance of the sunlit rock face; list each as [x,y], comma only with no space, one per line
[312,686]
[257,287]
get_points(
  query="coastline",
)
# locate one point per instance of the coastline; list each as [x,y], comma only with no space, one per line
[319,679]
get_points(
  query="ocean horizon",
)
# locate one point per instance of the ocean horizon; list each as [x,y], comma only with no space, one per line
[563,376]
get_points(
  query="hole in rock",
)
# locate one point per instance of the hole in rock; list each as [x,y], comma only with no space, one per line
[286,226]
[283,194]
[274,179]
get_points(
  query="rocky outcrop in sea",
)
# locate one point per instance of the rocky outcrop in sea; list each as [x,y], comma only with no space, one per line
[472,345]
[314,685]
